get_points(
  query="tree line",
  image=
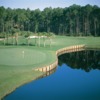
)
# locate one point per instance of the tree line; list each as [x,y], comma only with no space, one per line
[73,21]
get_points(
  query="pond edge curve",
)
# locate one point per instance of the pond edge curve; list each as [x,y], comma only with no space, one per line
[58,53]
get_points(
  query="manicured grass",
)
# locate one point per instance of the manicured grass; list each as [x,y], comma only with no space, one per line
[18,57]
[16,67]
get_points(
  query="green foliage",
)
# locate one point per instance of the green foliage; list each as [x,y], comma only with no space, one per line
[2,35]
[27,34]
[70,21]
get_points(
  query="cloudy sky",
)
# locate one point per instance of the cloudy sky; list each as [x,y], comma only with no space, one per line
[41,4]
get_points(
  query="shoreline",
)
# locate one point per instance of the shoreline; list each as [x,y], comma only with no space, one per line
[58,53]
[50,67]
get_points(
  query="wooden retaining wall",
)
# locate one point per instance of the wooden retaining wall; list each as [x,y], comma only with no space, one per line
[58,53]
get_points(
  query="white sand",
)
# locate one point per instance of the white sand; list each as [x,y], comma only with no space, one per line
[37,36]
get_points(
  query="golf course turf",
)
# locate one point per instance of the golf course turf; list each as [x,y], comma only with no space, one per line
[17,62]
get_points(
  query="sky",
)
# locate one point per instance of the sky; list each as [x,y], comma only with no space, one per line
[41,4]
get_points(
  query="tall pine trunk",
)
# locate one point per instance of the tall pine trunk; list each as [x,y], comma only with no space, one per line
[95,27]
[16,38]
[77,26]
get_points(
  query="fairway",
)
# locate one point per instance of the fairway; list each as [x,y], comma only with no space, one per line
[21,57]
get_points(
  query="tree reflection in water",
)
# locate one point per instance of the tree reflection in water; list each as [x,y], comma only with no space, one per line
[86,60]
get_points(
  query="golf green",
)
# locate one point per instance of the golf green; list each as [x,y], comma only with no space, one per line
[20,56]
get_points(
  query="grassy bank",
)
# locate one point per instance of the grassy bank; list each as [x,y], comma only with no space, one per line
[16,66]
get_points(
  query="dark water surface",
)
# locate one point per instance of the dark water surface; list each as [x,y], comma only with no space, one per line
[77,77]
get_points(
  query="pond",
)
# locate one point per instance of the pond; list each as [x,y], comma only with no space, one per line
[77,77]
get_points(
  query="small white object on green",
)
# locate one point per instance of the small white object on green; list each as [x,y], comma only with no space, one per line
[23,53]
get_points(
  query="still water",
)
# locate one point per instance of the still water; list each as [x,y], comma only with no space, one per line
[77,77]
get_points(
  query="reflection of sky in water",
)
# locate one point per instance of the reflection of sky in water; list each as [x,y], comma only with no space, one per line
[64,84]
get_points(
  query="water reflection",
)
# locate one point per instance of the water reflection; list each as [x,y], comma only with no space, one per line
[86,60]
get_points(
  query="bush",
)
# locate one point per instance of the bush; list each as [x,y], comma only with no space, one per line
[2,35]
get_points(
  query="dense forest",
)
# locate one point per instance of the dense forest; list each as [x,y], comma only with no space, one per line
[72,21]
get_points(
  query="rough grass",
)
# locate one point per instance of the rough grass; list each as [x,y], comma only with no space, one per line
[16,68]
